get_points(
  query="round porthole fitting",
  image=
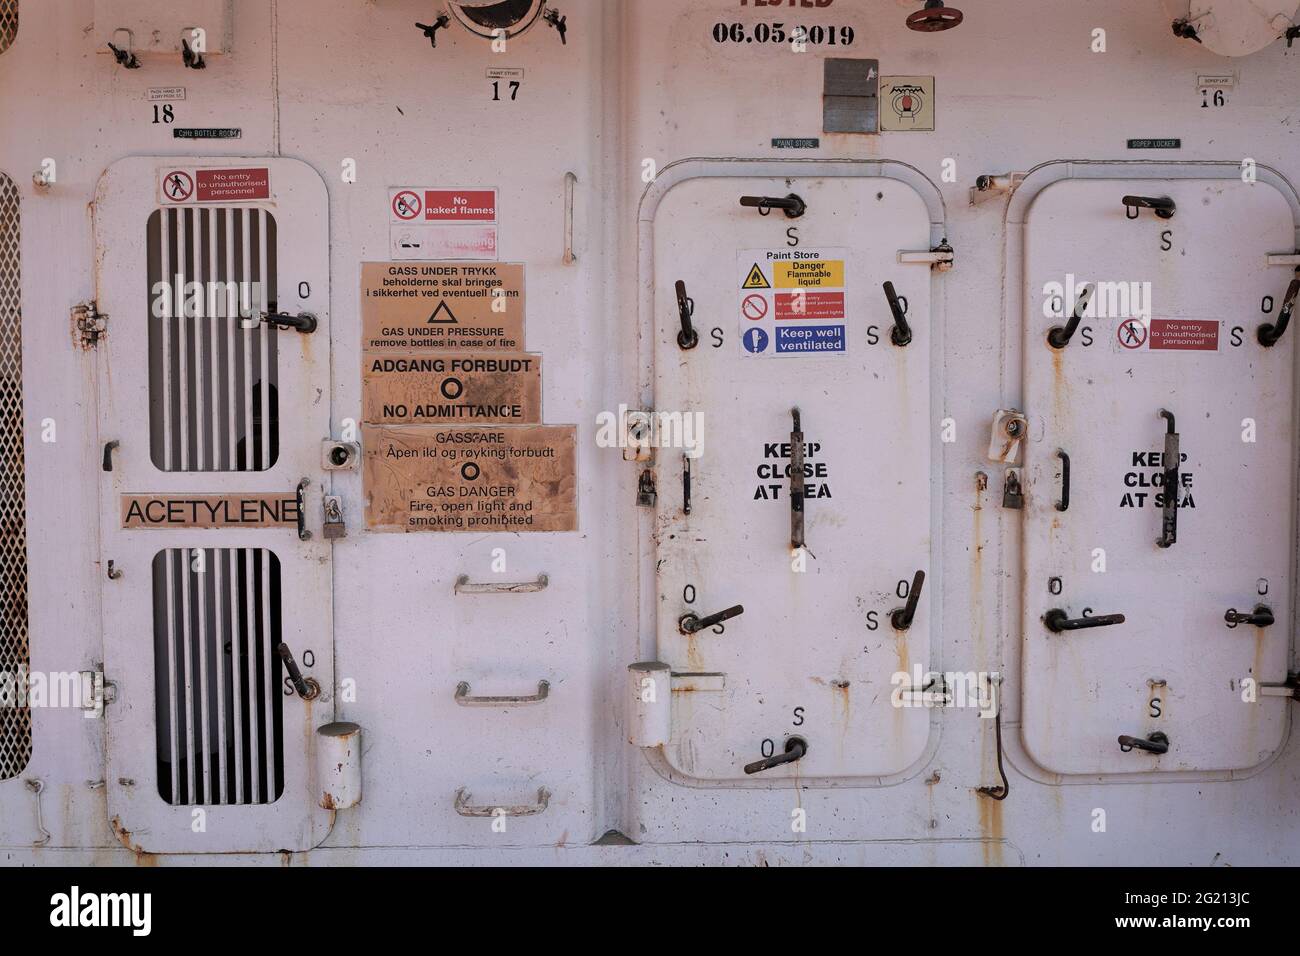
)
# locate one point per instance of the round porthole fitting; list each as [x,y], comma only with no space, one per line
[496,19]
[934,18]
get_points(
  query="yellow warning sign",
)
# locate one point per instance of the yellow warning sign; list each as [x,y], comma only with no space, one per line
[809,274]
[756,279]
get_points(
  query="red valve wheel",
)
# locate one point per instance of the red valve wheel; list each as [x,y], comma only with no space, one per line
[934,18]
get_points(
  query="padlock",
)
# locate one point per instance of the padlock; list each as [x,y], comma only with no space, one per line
[334,528]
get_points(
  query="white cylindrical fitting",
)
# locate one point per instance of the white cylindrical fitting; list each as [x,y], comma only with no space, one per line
[338,765]
[650,708]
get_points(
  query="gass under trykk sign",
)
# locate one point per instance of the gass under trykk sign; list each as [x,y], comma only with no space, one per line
[442,305]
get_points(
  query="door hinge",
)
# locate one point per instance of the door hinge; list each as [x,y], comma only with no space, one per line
[1290,689]
[88,325]
[940,258]
[95,691]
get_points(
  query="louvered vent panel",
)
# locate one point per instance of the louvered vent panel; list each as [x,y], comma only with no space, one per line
[217,676]
[8,23]
[15,721]
[213,397]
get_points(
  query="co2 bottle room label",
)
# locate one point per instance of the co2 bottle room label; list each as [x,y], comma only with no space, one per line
[792,302]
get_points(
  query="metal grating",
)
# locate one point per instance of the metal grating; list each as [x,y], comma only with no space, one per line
[217,679]
[15,721]
[213,397]
[8,23]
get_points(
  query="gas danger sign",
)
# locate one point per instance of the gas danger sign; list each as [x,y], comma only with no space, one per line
[442,305]
[460,478]
[450,387]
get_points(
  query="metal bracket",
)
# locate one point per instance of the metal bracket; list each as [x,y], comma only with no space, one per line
[95,691]
[339,455]
[998,184]
[1009,430]
[464,586]
[464,699]
[466,809]
[638,434]
[36,785]
[1289,689]
[936,693]
[940,258]
[89,324]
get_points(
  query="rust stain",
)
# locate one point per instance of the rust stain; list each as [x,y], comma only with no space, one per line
[991,829]
[142,858]
[693,656]
[904,654]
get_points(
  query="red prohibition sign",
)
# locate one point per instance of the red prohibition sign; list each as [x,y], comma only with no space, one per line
[407,205]
[754,307]
[1132,334]
[178,186]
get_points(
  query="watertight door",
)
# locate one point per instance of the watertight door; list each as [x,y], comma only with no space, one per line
[211,421]
[1177,426]
[793,361]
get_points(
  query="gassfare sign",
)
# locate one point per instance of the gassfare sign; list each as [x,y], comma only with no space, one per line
[461,478]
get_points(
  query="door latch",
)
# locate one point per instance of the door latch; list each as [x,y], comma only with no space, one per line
[1162,206]
[1060,335]
[307,687]
[797,486]
[793,206]
[687,338]
[1157,743]
[901,618]
[125,57]
[795,748]
[304,322]
[691,623]
[190,59]
[1057,620]
[1262,616]
[901,333]
[1169,512]
[304,534]
[1269,333]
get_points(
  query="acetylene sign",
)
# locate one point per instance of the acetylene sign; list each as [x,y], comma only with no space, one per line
[412,205]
